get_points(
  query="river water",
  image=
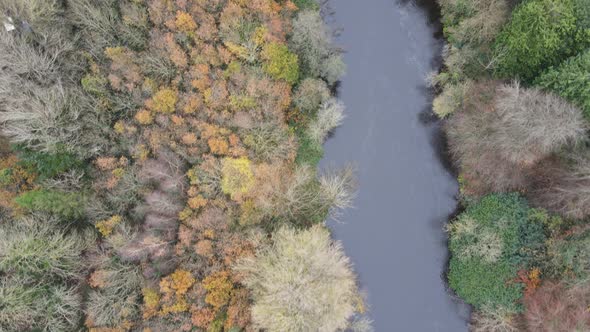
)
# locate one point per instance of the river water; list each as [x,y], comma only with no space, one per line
[394,235]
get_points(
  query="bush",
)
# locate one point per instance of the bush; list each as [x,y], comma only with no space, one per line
[494,320]
[450,100]
[570,81]
[570,257]
[63,204]
[280,63]
[286,299]
[489,243]
[306,4]
[309,151]
[311,40]
[541,33]
[49,165]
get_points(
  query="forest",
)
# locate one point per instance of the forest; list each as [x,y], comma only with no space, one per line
[514,95]
[158,168]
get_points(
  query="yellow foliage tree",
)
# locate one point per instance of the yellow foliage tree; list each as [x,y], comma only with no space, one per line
[237,177]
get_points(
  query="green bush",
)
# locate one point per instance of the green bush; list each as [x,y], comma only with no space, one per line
[541,33]
[570,257]
[309,152]
[49,165]
[483,284]
[307,4]
[67,205]
[490,242]
[570,80]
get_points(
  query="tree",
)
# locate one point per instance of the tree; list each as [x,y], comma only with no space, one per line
[280,63]
[570,81]
[41,270]
[489,243]
[321,299]
[311,40]
[533,124]
[310,94]
[502,132]
[330,116]
[540,33]
[561,185]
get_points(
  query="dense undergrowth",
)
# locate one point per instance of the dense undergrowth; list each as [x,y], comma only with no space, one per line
[162,172]
[514,95]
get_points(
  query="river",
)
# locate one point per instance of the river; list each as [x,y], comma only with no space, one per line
[394,235]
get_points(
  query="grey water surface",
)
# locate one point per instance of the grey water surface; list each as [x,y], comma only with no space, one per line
[394,235]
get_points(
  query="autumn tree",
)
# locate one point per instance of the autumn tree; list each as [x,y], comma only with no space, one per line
[287,300]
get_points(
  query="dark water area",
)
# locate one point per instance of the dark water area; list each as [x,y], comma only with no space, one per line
[407,191]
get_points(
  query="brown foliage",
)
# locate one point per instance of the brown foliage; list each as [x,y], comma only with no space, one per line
[555,307]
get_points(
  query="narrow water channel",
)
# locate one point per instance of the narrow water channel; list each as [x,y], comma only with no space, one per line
[395,233]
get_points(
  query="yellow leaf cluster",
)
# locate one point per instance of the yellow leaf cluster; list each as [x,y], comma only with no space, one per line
[144,117]
[105,227]
[185,22]
[164,101]
[237,177]
[219,287]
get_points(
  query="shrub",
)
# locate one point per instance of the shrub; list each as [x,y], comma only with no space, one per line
[330,116]
[450,100]
[49,165]
[309,151]
[311,40]
[540,34]
[570,257]
[67,205]
[494,320]
[306,4]
[280,63]
[489,243]
[570,81]
[286,299]
[305,199]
